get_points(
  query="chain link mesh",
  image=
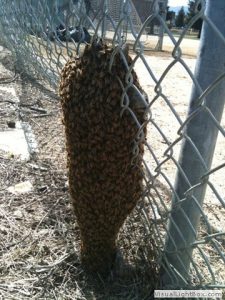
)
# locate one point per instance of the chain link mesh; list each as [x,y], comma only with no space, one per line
[190,251]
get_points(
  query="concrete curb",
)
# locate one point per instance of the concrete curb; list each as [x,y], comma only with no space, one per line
[16,137]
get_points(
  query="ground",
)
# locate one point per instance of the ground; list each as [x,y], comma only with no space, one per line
[38,232]
[39,235]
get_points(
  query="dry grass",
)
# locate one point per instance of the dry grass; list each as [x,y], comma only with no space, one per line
[39,235]
[40,243]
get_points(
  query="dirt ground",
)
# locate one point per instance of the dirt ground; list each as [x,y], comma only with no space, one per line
[176,86]
[189,46]
[39,235]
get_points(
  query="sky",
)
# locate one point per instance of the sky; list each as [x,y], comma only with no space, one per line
[177,2]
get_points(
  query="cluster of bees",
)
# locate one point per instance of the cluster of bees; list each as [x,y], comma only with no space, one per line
[104,184]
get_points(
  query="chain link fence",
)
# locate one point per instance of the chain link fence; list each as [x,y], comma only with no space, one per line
[181,215]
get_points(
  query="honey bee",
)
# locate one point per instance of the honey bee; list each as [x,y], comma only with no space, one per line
[103,184]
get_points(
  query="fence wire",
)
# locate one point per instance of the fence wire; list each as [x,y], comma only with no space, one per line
[182,210]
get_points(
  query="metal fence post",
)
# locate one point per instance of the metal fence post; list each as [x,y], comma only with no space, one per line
[202,134]
[163,8]
[104,20]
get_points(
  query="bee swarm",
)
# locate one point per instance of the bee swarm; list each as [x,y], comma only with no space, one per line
[104,185]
